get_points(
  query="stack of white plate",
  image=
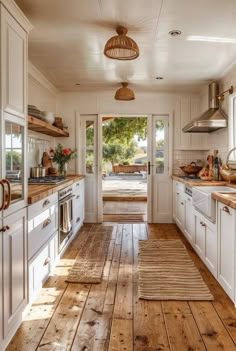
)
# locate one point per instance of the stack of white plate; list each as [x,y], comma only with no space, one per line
[48,116]
[34,111]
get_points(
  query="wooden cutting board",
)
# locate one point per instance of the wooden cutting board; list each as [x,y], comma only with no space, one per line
[46,161]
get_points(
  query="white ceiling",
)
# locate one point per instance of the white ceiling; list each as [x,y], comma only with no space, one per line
[69,36]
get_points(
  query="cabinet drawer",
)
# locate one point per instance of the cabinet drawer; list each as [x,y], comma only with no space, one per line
[40,228]
[39,269]
[77,187]
[38,207]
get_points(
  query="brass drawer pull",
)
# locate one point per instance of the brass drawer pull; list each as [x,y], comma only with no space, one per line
[78,219]
[226,209]
[47,261]
[46,222]
[46,202]
[182,203]
[77,184]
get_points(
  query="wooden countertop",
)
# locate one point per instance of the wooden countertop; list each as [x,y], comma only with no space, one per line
[228,199]
[38,192]
[199,182]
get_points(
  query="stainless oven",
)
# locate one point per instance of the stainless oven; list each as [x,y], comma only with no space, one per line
[65,216]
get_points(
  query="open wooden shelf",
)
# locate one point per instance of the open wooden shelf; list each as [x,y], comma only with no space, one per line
[39,126]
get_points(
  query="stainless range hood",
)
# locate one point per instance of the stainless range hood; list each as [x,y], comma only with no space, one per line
[214,118]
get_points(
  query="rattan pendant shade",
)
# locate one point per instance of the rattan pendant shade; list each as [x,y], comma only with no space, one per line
[121,47]
[124,93]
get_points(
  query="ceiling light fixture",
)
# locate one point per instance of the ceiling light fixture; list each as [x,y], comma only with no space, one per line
[124,93]
[121,47]
[175,32]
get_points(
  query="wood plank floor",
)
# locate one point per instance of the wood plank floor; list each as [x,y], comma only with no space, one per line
[109,316]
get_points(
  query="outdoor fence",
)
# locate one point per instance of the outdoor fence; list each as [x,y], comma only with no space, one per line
[128,168]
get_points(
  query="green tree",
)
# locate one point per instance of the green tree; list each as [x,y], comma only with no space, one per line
[122,130]
[112,153]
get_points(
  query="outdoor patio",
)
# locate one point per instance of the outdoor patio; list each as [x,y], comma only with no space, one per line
[125,186]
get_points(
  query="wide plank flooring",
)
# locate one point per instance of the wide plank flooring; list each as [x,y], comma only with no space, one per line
[110,317]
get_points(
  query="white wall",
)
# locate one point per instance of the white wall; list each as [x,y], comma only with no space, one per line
[43,95]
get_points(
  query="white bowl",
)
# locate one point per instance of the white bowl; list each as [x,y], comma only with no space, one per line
[49,119]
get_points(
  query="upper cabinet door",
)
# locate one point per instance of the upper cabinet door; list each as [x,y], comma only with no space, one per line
[13,52]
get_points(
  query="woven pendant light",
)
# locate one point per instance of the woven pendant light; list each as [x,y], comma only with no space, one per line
[121,47]
[124,93]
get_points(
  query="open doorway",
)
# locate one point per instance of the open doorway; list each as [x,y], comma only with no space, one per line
[124,168]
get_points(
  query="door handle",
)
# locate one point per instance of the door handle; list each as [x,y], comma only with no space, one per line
[7,204]
[3,195]
[149,167]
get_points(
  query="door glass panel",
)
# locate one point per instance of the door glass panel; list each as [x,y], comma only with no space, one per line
[89,161]
[160,147]
[89,133]
[14,163]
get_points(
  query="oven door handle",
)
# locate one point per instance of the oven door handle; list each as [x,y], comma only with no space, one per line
[66,200]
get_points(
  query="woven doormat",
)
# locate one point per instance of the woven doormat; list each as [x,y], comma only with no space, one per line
[166,272]
[90,261]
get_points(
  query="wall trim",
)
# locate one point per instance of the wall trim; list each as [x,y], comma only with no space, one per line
[34,73]
[16,12]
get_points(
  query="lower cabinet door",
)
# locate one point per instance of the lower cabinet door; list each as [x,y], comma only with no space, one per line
[226,252]
[200,237]
[14,269]
[211,247]
[39,268]
[189,230]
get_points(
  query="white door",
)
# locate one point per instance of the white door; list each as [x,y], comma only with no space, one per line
[88,165]
[159,170]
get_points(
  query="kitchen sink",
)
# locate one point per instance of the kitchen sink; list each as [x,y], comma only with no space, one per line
[203,202]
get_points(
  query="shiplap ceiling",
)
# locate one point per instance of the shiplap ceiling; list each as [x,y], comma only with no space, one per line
[69,36]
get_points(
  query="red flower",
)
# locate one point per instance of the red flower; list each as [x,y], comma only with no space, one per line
[66,151]
[51,150]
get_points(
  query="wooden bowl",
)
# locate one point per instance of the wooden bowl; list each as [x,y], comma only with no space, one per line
[228,175]
[190,169]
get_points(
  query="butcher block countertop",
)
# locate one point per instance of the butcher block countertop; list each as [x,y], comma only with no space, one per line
[37,192]
[228,199]
[199,182]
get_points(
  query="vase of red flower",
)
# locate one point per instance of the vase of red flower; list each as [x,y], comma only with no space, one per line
[61,156]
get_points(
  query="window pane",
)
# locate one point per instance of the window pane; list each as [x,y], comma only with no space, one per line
[89,161]
[89,133]
[160,134]
[160,158]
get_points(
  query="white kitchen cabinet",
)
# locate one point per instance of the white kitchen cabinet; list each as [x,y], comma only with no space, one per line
[227,249]
[42,241]
[14,254]
[14,61]
[186,109]
[189,228]
[180,205]
[174,199]
[78,205]
[206,241]
[41,265]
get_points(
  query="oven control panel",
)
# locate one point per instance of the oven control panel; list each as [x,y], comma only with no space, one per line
[65,192]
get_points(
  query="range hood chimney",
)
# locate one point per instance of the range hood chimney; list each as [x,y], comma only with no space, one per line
[214,118]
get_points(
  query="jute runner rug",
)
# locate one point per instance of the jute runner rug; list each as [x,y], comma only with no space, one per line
[166,272]
[90,261]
